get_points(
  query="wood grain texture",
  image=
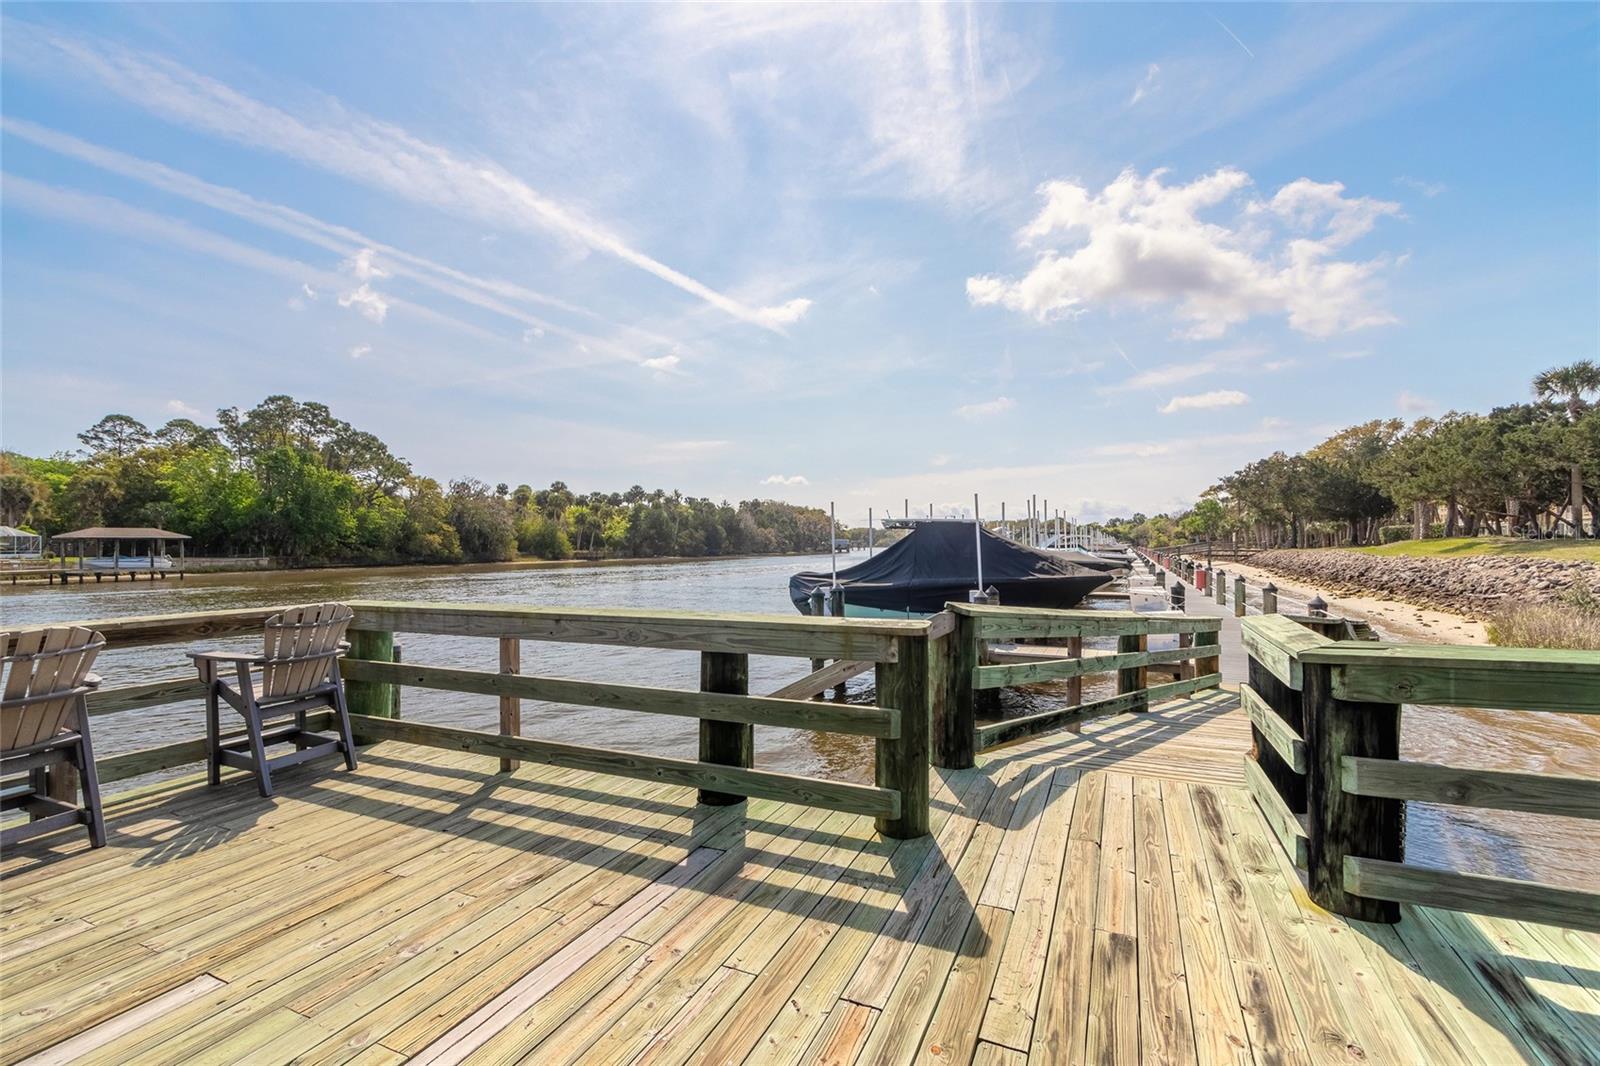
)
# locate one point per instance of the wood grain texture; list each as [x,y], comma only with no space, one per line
[1502,790]
[1506,897]
[1283,739]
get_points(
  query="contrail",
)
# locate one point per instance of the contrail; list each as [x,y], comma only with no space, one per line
[1235,36]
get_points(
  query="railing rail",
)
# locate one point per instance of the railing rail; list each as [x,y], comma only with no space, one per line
[984,656]
[1327,774]
[727,712]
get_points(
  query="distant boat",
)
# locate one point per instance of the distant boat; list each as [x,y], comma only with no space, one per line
[1092,560]
[937,564]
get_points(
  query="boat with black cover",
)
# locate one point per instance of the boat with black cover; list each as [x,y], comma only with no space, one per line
[936,563]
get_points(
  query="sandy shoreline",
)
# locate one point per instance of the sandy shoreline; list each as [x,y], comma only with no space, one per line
[1396,620]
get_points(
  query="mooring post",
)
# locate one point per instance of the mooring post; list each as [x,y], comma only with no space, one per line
[1161,579]
[902,762]
[371,697]
[1221,579]
[1269,599]
[954,714]
[1340,823]
[1177,596]
[1318,607]
[725,743]
[819,607]
[1238,597]
[836,609]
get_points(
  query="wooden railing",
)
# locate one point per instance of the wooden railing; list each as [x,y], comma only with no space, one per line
[724,772]
[985,652]
[1327,774]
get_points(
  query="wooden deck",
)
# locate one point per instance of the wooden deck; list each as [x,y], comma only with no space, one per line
[1113,896]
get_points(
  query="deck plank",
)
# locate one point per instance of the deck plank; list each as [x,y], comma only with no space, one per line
[1103,895]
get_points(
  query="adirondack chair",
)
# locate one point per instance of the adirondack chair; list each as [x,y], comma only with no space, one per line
[44,723]
[297,672]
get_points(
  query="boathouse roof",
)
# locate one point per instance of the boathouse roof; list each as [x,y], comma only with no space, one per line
[120,533]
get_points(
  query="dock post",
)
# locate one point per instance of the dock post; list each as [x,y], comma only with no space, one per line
[836,609]
[1134,680]
[818,600]
[1318,607]
[725,743]
[1340,823]
[1269,599]
[954,742]
[371,697]
[1238,597]
[1221,578]
[1178,595]
[1161,579]
[510,706]
[902,762]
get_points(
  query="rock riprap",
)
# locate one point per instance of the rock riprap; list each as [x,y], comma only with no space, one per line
[1474,585]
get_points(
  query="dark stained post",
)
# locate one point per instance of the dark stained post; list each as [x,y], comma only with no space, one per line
[1133,679]
[902,763]
[1339,823]
[510,706]
[1178,596]
[836,609]
[954,712]
[1285,703]
[1161,579]
[725,743]
[818,601]
[371,697]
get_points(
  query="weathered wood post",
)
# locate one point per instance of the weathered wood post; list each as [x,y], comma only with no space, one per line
[1238,597]
[1161,579]
[1222,588]
[1269,599]
[1134,679]
[1178,596]
[954,713]
[1186,666]
[836,609]
[510,706]
[371,697]
[1339,823]
[725,743]
[819,601]
[1075,684]
[1285,702]
[1211,664]
[902,763]
[1318,607]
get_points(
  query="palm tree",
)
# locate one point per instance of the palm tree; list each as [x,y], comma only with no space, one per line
[1571,384]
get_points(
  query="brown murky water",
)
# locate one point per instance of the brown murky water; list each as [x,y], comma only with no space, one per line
[1553,849]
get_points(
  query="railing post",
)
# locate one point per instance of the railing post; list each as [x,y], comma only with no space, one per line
[954,710]
[1178,596]
[1161,579]
[1221,579]
[1186,668]
[902,763]
[1269,599]
[836,609]
[1075,684]
[818,600]
[1134,679]
[1212,664]
[376,698]
[725,743]
[1238,597]
[1340,823]
[510,706]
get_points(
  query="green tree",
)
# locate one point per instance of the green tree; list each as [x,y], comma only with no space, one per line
[1571,384]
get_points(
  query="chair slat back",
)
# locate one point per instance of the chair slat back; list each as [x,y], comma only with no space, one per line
[294,634]
[45,663]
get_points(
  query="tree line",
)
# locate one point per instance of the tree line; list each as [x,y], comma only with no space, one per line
[288,479]
[1524,469]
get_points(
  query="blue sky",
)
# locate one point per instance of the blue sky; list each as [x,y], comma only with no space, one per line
[1101,254]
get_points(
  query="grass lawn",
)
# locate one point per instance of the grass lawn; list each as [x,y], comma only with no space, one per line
[1448,547]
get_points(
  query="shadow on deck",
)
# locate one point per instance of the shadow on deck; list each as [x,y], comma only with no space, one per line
[1110,894]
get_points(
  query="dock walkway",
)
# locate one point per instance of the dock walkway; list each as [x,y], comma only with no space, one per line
[1107,896]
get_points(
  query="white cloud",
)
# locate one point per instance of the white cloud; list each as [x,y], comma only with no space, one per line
[1161,376]
[784,314]
[366,300]
[532,333]
[305,287]
[986,409]
[1275,365]
[792,480]
[1147,84]
[343,141]
[1143,244]
[180,409]
[360,350]
[1412,404]
[662,362]
[1430,189]
[1204,400]
[363,267]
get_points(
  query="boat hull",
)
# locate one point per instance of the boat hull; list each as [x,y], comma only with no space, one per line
[900,601]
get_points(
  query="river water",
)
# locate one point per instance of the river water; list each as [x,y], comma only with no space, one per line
[1561,850]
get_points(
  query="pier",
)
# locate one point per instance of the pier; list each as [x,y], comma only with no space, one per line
[1185,870]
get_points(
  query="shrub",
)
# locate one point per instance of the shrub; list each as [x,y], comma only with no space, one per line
[537,535]
[1573,621]
[1391,534]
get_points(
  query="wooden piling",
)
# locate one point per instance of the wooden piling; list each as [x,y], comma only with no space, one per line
[954,715]
[1339,823]
[902,762]
[1269,599]
[1239,604]
[371,697]
[510,706]
[725,743]
[1132,681]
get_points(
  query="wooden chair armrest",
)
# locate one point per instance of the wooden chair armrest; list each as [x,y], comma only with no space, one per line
[91,680]
[224,657]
